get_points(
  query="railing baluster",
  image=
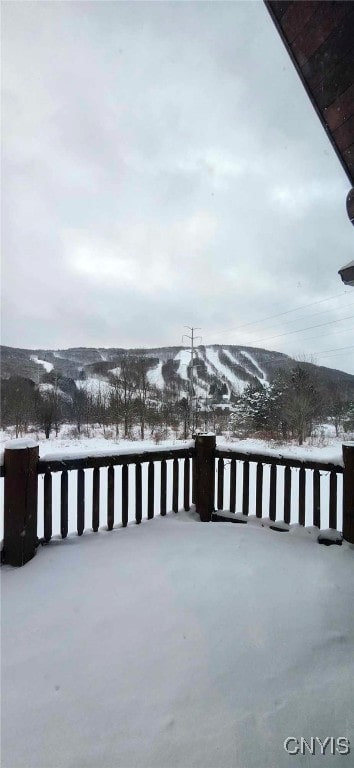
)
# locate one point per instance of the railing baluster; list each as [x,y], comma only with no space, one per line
[259,489]
[233,485]
[151,490]
[163,489]
[186,472]
[287,495]
[138,494]
[47,506]
[175,486]
[316,498]
[273,492]
[302,495]
[194,481]
[220,500]
[333,500]
[246,488]
[96,500]
[62,466]
[80,501]
[64,504]
[125,495]
[110,498]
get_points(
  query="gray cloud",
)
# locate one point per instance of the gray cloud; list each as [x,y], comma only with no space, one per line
[163,165]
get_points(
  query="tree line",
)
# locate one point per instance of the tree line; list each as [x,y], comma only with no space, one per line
[288,407]
[128,402]
[293,404]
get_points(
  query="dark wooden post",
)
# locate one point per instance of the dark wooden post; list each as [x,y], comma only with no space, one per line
[348,492]
[205,476]
[20,507]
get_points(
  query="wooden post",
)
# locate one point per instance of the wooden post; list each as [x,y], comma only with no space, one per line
[205,475]
[348,492]
[20,507]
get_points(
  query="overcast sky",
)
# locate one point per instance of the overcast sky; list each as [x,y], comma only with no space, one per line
[162,166]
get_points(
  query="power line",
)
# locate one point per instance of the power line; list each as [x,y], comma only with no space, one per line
[300,330]
[316,314]
[332,354]
[333,333]
[309,317]
[328,361]
[334,349]
[280,314]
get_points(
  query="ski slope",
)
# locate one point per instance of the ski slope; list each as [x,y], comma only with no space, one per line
[232,380]
[47,366]
[94,386]
[155,377]
[254,362]
[184,359]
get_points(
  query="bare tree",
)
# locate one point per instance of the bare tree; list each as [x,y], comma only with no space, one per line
[79,407]
[49,406]
[115,403]
[142,388]
[301,401]
[18,403]
[127,380]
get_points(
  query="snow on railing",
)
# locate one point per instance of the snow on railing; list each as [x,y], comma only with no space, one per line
[131,451]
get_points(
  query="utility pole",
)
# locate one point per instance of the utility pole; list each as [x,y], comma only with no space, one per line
[192,339]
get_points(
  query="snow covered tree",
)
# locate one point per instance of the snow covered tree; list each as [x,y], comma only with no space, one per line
[252,409]
[217,390]
[338,405]
[348,421]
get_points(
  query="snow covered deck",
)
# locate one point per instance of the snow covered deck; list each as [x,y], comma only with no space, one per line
[177,644]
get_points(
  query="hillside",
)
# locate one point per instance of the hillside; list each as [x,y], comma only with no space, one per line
[227,367]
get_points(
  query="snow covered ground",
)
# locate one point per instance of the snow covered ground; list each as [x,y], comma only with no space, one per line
[177,643]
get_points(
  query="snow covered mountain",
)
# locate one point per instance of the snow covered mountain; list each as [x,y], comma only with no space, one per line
[227,368]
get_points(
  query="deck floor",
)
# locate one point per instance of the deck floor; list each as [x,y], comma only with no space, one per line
[177,643]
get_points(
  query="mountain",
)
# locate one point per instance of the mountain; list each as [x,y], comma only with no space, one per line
[224,368]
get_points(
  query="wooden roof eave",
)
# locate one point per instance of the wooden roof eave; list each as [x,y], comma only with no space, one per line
[278,6]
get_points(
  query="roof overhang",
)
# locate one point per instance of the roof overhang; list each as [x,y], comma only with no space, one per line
[319,38]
